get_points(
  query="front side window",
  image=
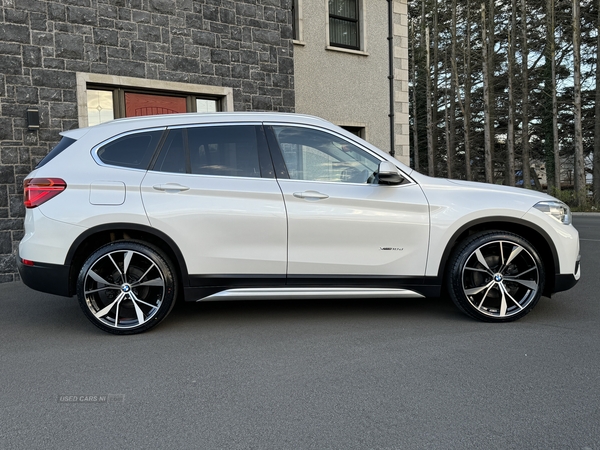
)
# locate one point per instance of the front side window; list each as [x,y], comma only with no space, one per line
[319,156]
[344,25]
[133,150]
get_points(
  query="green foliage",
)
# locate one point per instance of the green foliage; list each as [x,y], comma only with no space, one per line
[538,95]
[568,196]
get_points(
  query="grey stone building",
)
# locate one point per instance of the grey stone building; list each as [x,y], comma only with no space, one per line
[73,63]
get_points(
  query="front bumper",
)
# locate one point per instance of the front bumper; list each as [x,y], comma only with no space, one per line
[564,282]
[50,278]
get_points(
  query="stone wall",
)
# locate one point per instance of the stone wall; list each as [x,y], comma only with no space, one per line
[401,103]
[245,45]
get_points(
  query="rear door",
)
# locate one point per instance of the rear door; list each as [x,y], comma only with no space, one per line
[212,190]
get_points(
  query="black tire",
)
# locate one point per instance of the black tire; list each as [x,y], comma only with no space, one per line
[495,276]
[127,287]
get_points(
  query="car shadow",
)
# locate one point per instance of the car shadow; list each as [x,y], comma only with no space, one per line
[335,311]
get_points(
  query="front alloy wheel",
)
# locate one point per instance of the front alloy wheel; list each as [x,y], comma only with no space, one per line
[126,287]
[496,277]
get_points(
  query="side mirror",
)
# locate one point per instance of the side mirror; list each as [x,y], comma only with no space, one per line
[389,174]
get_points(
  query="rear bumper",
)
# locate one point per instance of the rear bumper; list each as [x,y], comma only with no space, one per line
[50,278]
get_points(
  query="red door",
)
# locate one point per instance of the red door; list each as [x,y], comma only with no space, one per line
[148,104]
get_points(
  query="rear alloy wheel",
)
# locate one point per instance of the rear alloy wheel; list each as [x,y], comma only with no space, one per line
[126,287]
[496,277]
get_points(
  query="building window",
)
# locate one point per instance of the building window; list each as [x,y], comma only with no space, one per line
[294,26]
[206,106]
[297,19]
[100,106]
[357,131]
[147,104]
[106,103]
[101,98]
[344,24]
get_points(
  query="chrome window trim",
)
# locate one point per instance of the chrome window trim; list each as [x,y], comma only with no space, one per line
[94,151]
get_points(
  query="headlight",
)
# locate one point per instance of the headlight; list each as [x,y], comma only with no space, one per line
[556,209]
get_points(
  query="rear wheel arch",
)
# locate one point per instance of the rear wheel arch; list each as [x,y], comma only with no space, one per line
[94,238]
[531,232]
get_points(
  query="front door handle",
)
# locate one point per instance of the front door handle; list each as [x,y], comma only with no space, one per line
[311,195]
[170,187]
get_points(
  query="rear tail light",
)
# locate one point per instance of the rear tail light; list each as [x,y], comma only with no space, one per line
[39,190]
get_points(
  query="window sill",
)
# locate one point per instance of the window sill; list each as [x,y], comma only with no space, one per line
[346,50]
[297,42]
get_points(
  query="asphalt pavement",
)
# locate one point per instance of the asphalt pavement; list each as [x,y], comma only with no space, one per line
[384,374]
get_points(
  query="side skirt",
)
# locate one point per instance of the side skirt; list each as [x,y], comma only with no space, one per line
[307,294]
[256,287]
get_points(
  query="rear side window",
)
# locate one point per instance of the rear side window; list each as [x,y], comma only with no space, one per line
[62,145]
[224,150]
[172,157]
[231,150]
[133,150]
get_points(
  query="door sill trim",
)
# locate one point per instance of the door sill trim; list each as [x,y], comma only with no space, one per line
[295,293]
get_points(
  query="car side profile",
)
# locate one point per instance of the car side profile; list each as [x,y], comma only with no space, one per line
[132,214]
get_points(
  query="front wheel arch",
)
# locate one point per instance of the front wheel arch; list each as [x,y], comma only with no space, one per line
[531,232]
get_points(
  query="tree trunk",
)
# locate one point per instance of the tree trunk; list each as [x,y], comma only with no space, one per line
[525,106]
[580,188]
[434,111]
[414,85]
[447,130]
[510,138]
[491,100]
[467,108]
[555,143]
[489,175]
[452,113]
[430,143]
[597,123]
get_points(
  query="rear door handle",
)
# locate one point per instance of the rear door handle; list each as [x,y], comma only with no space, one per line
[170,187]
[311,195]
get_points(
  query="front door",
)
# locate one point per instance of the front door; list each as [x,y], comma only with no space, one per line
[339,222]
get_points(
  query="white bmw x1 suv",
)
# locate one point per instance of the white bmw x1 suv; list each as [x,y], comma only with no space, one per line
[132,214]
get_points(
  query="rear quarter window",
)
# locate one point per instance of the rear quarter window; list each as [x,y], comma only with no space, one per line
[133,150]
[64,143]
